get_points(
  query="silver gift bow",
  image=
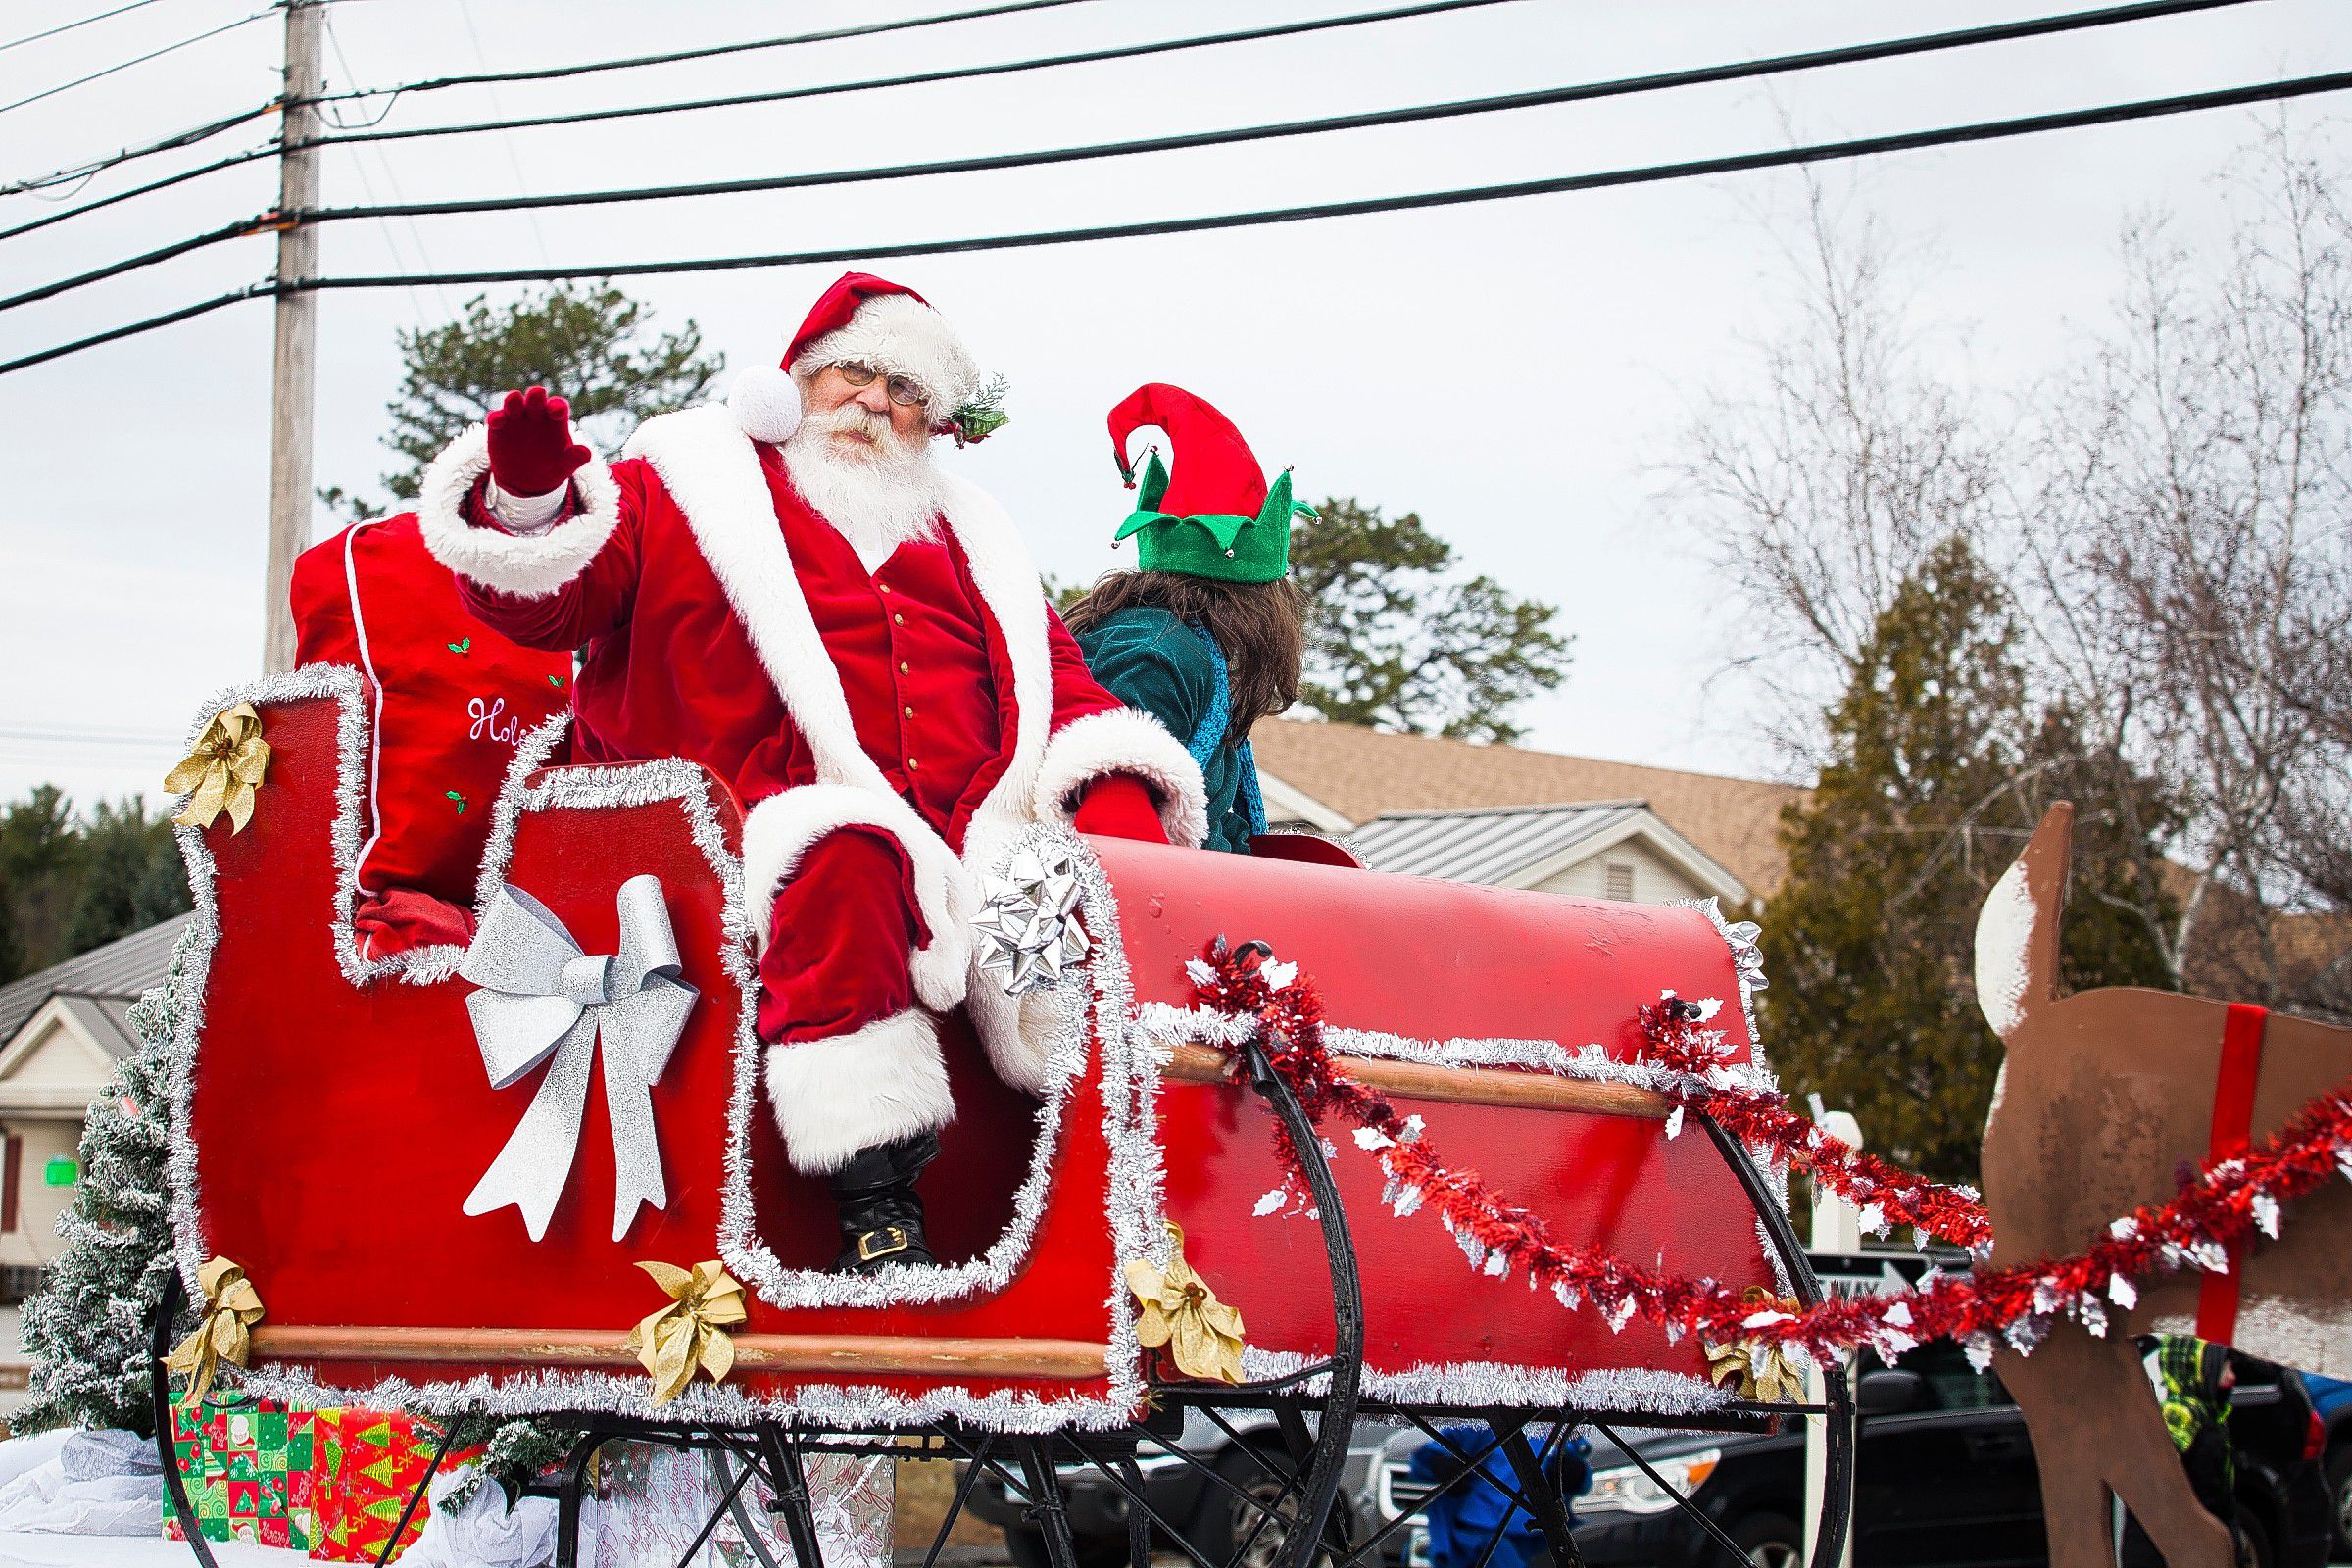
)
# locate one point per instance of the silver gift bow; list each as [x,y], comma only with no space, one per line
[1028,929]
[540,997]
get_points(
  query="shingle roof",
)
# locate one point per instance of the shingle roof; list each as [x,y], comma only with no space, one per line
[1487,846]
[121,970]
[1363,773]
[105,1019]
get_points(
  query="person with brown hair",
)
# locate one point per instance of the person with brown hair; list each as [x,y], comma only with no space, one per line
[1207,634]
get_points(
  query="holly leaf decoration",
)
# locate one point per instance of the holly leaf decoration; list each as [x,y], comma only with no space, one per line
[459,799]
[462,647]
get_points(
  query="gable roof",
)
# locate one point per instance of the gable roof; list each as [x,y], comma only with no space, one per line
[1525,846]
[1364,773]
[121,970]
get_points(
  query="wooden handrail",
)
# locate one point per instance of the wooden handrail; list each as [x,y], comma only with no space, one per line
[872,1354]
[1460,1086]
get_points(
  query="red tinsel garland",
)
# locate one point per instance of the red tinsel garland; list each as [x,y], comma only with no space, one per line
[2219,1206]
[1886,1194]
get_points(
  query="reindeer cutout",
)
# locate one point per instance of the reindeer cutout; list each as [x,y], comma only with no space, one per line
[2106,1099]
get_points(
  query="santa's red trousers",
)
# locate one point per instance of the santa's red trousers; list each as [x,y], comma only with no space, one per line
[841,933]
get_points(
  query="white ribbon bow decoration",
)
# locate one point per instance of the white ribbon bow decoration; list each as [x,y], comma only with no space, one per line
[540,996]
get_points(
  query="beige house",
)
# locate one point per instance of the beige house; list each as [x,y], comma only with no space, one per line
[1512,817]
[62,1033]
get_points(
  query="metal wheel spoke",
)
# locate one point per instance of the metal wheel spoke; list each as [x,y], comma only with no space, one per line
[1207,1470]
[159,1389]
[963,1492]
[734,1491]
[1713,1530]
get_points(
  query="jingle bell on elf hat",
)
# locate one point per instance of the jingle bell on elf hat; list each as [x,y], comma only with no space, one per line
[890,328]
[1215,516]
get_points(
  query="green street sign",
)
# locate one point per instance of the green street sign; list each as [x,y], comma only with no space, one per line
[63,1170]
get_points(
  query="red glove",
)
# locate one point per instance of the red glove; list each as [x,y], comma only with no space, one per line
[531,449]
[1118,806]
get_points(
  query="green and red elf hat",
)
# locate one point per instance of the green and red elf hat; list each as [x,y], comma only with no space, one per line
[870,320]
[1216,517]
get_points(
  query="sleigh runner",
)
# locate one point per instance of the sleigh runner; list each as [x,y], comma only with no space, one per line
[489,1260]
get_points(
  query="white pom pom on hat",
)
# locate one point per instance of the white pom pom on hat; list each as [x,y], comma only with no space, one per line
[765,403]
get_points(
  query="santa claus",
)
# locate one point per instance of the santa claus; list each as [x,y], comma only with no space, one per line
[792,592]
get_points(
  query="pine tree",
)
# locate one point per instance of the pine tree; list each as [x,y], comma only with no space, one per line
[40,861]
[1394,639]
[88,1332]
[593,345]
[131,875]
[1939,771]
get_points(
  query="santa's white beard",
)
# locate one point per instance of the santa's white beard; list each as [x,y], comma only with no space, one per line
[878,496]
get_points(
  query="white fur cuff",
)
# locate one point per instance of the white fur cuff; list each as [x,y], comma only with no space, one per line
[875,1085]
[526,566]
[780,829]
[1123,740]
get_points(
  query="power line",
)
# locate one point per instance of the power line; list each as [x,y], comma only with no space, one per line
[1731,164]
[821,90]
[240,229]
[80,171]
[139,60]
[69,27]
[1187,141]
[171,144]
[1084,57]
[706,52]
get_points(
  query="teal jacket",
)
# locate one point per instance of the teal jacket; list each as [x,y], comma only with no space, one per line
[1150,660]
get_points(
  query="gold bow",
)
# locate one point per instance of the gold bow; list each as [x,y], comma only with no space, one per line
[224,771]
[1758,1369]
[690,1331]
[1181,1312]
[231,1308]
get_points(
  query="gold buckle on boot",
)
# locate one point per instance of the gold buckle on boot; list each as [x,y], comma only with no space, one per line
[867,1252]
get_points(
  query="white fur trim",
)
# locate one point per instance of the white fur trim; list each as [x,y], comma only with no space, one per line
[713,472]
[1124,740]
[527,566]
[767,404]
[711,469]
[876,1085]
[899,334]
[780,829]
[1018,1032]
[1010,587]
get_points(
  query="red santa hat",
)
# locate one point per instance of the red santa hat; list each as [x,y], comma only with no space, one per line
[867,320]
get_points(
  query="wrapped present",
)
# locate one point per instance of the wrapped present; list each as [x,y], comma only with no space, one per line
[370,1462]
[247,1466]
[653,1500]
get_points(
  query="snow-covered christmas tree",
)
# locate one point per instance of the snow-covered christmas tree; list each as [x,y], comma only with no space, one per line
[86,1333]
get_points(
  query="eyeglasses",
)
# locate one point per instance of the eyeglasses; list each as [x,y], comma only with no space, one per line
[903,391]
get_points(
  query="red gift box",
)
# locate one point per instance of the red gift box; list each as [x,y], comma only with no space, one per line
[370,1462]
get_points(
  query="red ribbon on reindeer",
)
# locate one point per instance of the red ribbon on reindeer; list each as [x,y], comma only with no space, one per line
[2233,1131]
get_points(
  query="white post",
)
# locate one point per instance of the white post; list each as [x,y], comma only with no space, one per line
[290,385]
[1836,1228]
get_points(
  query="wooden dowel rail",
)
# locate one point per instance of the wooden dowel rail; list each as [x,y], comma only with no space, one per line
[862,1353]
[1460,1086]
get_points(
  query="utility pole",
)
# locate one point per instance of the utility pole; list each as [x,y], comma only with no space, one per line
[293,372]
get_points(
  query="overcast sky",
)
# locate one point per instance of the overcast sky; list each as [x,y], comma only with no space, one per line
[1514,371]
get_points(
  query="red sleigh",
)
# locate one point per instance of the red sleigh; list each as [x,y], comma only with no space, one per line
[332,1118]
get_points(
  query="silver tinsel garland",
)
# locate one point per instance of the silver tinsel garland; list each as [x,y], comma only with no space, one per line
[1097,1000]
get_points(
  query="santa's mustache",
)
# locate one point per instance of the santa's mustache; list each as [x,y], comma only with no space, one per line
[853,418]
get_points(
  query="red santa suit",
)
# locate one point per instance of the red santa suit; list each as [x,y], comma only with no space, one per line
[888,730]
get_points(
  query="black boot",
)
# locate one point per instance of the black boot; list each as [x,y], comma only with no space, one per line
[881,1213]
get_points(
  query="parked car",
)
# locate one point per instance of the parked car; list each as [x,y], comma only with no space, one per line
[1944,1475]
[1182,1494]
[2333,1398]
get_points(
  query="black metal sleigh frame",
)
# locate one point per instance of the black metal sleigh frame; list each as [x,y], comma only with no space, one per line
[1286,1508]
